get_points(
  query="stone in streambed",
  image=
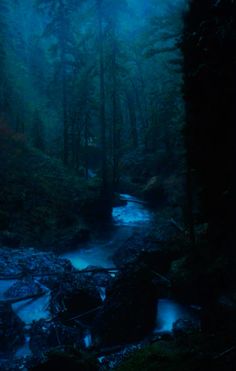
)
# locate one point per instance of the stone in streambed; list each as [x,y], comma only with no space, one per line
[129,311]
[25,287]
[49,335]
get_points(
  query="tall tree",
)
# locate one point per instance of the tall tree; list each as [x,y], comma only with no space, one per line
[102,103]
[59,27]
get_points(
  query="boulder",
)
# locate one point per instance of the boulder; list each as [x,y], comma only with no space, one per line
[129,311]
[74,296]
[184,327]
[45,336]
[25,287]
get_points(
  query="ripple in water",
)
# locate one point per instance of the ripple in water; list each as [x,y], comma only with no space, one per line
[134,212]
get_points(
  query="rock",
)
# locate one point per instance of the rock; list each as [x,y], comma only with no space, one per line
[11,329]
[129,311]
[31,261]
[184,327]
[73,296]
[98,279]
[23,288]
[48,335]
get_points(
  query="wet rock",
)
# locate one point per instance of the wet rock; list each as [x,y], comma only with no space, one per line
[129,311]
[158,247]
[184,327]
[97,276]
[26,287]
[131,249]
[114,360]
[11,329]
[31,261]
[49,335]
[74,296]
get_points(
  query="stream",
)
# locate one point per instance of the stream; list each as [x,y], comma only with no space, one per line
[133,216]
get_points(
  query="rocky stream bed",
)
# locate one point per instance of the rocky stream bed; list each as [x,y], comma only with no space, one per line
[103,299]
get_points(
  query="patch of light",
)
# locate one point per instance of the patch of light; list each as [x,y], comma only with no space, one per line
[133,213]
[168,312]
[102,292]
[33,309]
[99,256]
[88,340]
[24,350]
[4,286]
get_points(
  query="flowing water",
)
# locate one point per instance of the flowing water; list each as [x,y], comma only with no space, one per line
[169,311]
[128,218]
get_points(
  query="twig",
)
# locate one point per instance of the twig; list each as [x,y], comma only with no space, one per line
[161,277]
[85,314]
[225,353]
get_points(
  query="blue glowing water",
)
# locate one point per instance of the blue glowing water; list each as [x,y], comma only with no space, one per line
[126,218]
[169,311]
[88,342]
[24,350]
[134,213]
[33,309]
[99,255]
[4,286]
[28,310]
[102,292]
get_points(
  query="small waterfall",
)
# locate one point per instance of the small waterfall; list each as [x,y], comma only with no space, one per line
[88,342]
[168,312]
[102,292]
[24,350]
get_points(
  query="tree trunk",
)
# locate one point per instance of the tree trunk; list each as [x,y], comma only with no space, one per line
[103,127]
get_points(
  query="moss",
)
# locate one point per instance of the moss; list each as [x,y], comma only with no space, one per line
[200,355]
[39,198]
[160,356]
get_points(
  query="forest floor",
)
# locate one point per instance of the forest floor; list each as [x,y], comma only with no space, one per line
[42,204]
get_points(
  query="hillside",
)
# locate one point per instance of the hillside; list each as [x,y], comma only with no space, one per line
[40,201]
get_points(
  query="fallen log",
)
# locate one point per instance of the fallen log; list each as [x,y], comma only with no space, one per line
[176,225]
[22,298]
[11,277]
[225,353]
[163,278]
[45,274]
[84,314]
